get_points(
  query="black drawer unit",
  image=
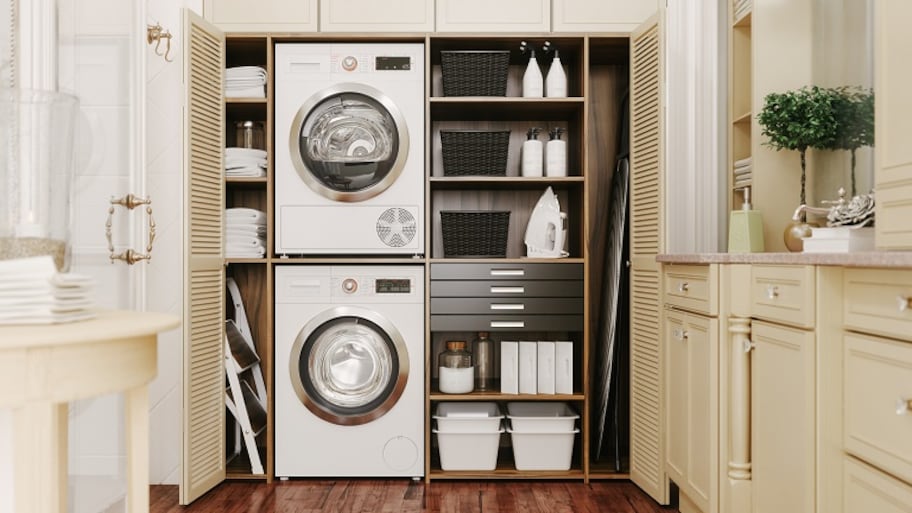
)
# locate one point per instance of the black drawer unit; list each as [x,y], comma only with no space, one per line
[506,297]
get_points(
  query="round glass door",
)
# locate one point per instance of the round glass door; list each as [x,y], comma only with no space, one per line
[349,366]
[349,142]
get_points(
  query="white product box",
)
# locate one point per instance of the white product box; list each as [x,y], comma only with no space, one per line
[542,451]
[563,367]
[468,451]
[528,367]
[468,417]
[547,417]
[509,367]
[545,367]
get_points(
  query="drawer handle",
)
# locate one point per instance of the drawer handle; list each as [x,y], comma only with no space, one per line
[508,290]
[508,324]
[772,291]
[683,287]
[902,302]
[508,272]
[747,345]
[508,306]
[903,406]
[680,334]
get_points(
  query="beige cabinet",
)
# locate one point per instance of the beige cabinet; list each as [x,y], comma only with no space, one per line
[691,347]
[263,15]
[373,16]
[782,418]
[600,15]
[893,123]
[499,16]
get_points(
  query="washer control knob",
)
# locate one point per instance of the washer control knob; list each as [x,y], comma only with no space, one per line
[349,285]
[349,63]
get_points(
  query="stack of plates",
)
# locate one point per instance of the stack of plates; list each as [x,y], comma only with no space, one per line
[33,292]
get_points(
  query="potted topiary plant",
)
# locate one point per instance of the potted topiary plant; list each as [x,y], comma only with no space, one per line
[854,108]
[798,120]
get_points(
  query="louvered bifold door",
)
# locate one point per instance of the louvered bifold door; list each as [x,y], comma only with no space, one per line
[646,241]
[203,452]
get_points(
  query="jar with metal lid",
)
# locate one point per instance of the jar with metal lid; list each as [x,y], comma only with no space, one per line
[250,134]
[455,368]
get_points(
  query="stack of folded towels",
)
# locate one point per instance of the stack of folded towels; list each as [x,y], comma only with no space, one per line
[245,82]
[245,233]
[245,162]
[743,173]
[33,292]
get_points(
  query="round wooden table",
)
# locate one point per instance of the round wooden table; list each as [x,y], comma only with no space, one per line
[42,368]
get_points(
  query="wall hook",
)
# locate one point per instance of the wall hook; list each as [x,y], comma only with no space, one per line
[155,33]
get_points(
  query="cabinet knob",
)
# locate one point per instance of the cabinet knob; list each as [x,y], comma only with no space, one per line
[349,285]
[680,334]
[903,406]
[772,291]
[902,302]
[747,345]
[683,286]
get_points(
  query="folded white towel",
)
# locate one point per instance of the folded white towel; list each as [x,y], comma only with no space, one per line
[246,172]
[743,162]
[245,230]
[245,71]
[247,92]
[234,162]
[244,214]
[236,239]
[245,152]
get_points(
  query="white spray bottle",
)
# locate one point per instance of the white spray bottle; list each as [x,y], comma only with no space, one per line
[533,86]
[556,81]
[556,154]
[531,164]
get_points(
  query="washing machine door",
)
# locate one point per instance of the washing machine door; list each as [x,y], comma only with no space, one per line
[349,142]
[349,365]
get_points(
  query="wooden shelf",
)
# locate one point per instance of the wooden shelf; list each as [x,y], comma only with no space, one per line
[497,396]
[505,470]
[322,259]
[743,21]
[502,182]
[507,260]
[262,260]
[743,118]
[245,180]
[235,101]
[498,108]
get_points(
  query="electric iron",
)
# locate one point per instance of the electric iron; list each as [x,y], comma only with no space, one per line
[545,233]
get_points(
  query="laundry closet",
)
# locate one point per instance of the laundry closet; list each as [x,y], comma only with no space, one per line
[396,216]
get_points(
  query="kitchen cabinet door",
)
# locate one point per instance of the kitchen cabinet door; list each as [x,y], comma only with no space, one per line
[263,15]
[500,16]
[601,15]
[782,419]
[373,16]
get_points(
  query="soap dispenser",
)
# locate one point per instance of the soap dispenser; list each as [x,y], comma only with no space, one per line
[556,154]
[531,164]
[533,86]
[745,228]
[556,81]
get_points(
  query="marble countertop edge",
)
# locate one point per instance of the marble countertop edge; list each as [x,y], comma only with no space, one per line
[897,259]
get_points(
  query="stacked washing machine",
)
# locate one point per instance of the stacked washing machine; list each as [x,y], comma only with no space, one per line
[349,339]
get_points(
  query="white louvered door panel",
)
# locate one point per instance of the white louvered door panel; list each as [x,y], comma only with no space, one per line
[646,241]
[203,454]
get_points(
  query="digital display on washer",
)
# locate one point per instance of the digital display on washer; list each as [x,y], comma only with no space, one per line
[393,63]
[393,286]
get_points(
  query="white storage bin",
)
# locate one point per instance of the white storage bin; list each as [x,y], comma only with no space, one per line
[532,417]
[542,451]
[468,417]
[468,451]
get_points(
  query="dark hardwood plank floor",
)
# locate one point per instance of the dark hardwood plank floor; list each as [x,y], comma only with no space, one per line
[400,496]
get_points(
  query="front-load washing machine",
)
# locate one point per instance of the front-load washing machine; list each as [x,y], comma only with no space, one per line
[349,380]
[349,151]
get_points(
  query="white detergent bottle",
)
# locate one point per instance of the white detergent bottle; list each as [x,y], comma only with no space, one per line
[532,79]
[556,154]
[556,82]
[531,164]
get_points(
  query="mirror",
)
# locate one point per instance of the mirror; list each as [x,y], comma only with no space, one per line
[843,56]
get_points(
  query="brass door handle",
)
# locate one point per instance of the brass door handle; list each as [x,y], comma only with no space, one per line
[130,256]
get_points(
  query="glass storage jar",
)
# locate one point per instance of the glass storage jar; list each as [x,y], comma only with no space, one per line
[483,352]
[455,368]
[36,173]
[250,134]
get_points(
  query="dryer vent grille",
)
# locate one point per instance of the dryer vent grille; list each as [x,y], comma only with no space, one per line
[396,227]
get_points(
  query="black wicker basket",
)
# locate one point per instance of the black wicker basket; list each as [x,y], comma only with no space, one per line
[474,152]
[475,233]
[475,72]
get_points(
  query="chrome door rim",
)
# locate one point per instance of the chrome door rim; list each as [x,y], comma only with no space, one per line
[298,123]
[315,406]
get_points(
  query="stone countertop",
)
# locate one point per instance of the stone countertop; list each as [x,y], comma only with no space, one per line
[898,259]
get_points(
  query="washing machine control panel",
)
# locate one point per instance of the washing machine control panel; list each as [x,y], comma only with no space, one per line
[349,63]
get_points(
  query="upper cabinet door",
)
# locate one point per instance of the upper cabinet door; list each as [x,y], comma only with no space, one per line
[262,15]
[374,16]
[487,16]
[601,15]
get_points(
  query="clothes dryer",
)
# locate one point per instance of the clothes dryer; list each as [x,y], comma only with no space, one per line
[349,150]
[349,380]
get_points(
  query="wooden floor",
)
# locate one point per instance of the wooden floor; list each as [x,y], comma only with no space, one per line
[397,495]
